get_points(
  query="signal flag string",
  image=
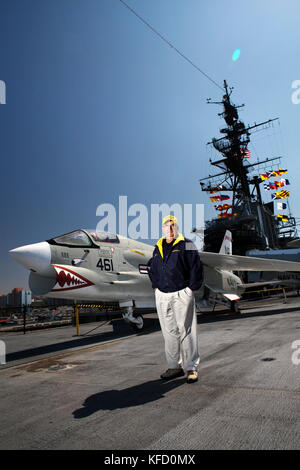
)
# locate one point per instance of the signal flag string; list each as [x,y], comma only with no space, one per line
[170,44]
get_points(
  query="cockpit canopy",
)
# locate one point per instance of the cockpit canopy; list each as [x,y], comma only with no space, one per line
[85,238]
[99,237]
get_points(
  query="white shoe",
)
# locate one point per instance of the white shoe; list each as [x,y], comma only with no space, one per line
[192,376]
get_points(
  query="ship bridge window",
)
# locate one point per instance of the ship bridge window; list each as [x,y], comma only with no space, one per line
[77,238]
[99,237]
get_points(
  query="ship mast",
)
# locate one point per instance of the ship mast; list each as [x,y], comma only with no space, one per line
[247,204]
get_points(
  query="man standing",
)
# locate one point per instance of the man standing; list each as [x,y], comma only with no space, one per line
[176,271]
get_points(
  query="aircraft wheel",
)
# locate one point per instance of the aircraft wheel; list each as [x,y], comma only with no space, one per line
[138,326]
[234,307]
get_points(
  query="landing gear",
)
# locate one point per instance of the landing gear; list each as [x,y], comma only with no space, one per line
[234,307]
[138,326]
[137,322]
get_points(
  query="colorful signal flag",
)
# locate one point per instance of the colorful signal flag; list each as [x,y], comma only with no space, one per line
[245,152]
[214,189]
[222,197]
[282,217]
[223,207]
[269,174]
[280,195]
[279,172]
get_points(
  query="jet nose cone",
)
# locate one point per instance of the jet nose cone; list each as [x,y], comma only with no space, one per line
[36,257]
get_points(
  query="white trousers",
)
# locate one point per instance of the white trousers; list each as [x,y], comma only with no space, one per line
[177,316]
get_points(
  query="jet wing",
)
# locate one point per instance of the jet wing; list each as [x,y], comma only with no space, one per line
[246,263]
[263,283]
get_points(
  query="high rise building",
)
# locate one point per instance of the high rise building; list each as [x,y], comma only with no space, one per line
[18,297]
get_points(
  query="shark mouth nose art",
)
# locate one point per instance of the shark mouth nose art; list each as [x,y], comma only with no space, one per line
[66,279]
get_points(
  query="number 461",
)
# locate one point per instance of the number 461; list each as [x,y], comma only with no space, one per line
[105,264]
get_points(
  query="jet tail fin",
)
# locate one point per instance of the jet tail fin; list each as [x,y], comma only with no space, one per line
[226,247]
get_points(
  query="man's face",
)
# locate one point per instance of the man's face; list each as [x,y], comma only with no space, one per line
[170,229]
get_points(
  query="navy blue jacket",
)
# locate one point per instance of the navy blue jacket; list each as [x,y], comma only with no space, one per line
[181,268]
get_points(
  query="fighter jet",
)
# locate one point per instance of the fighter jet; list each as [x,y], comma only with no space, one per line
[89,265]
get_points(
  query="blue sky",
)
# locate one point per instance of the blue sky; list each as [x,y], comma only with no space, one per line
[98,106]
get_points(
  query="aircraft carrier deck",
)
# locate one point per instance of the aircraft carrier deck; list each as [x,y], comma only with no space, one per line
[59,392]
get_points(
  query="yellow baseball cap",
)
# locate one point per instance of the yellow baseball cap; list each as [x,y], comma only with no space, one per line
[170,218]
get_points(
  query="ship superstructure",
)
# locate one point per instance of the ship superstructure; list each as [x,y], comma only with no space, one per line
[235,189]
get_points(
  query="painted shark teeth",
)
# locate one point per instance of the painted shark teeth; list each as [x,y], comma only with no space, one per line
[67,279]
